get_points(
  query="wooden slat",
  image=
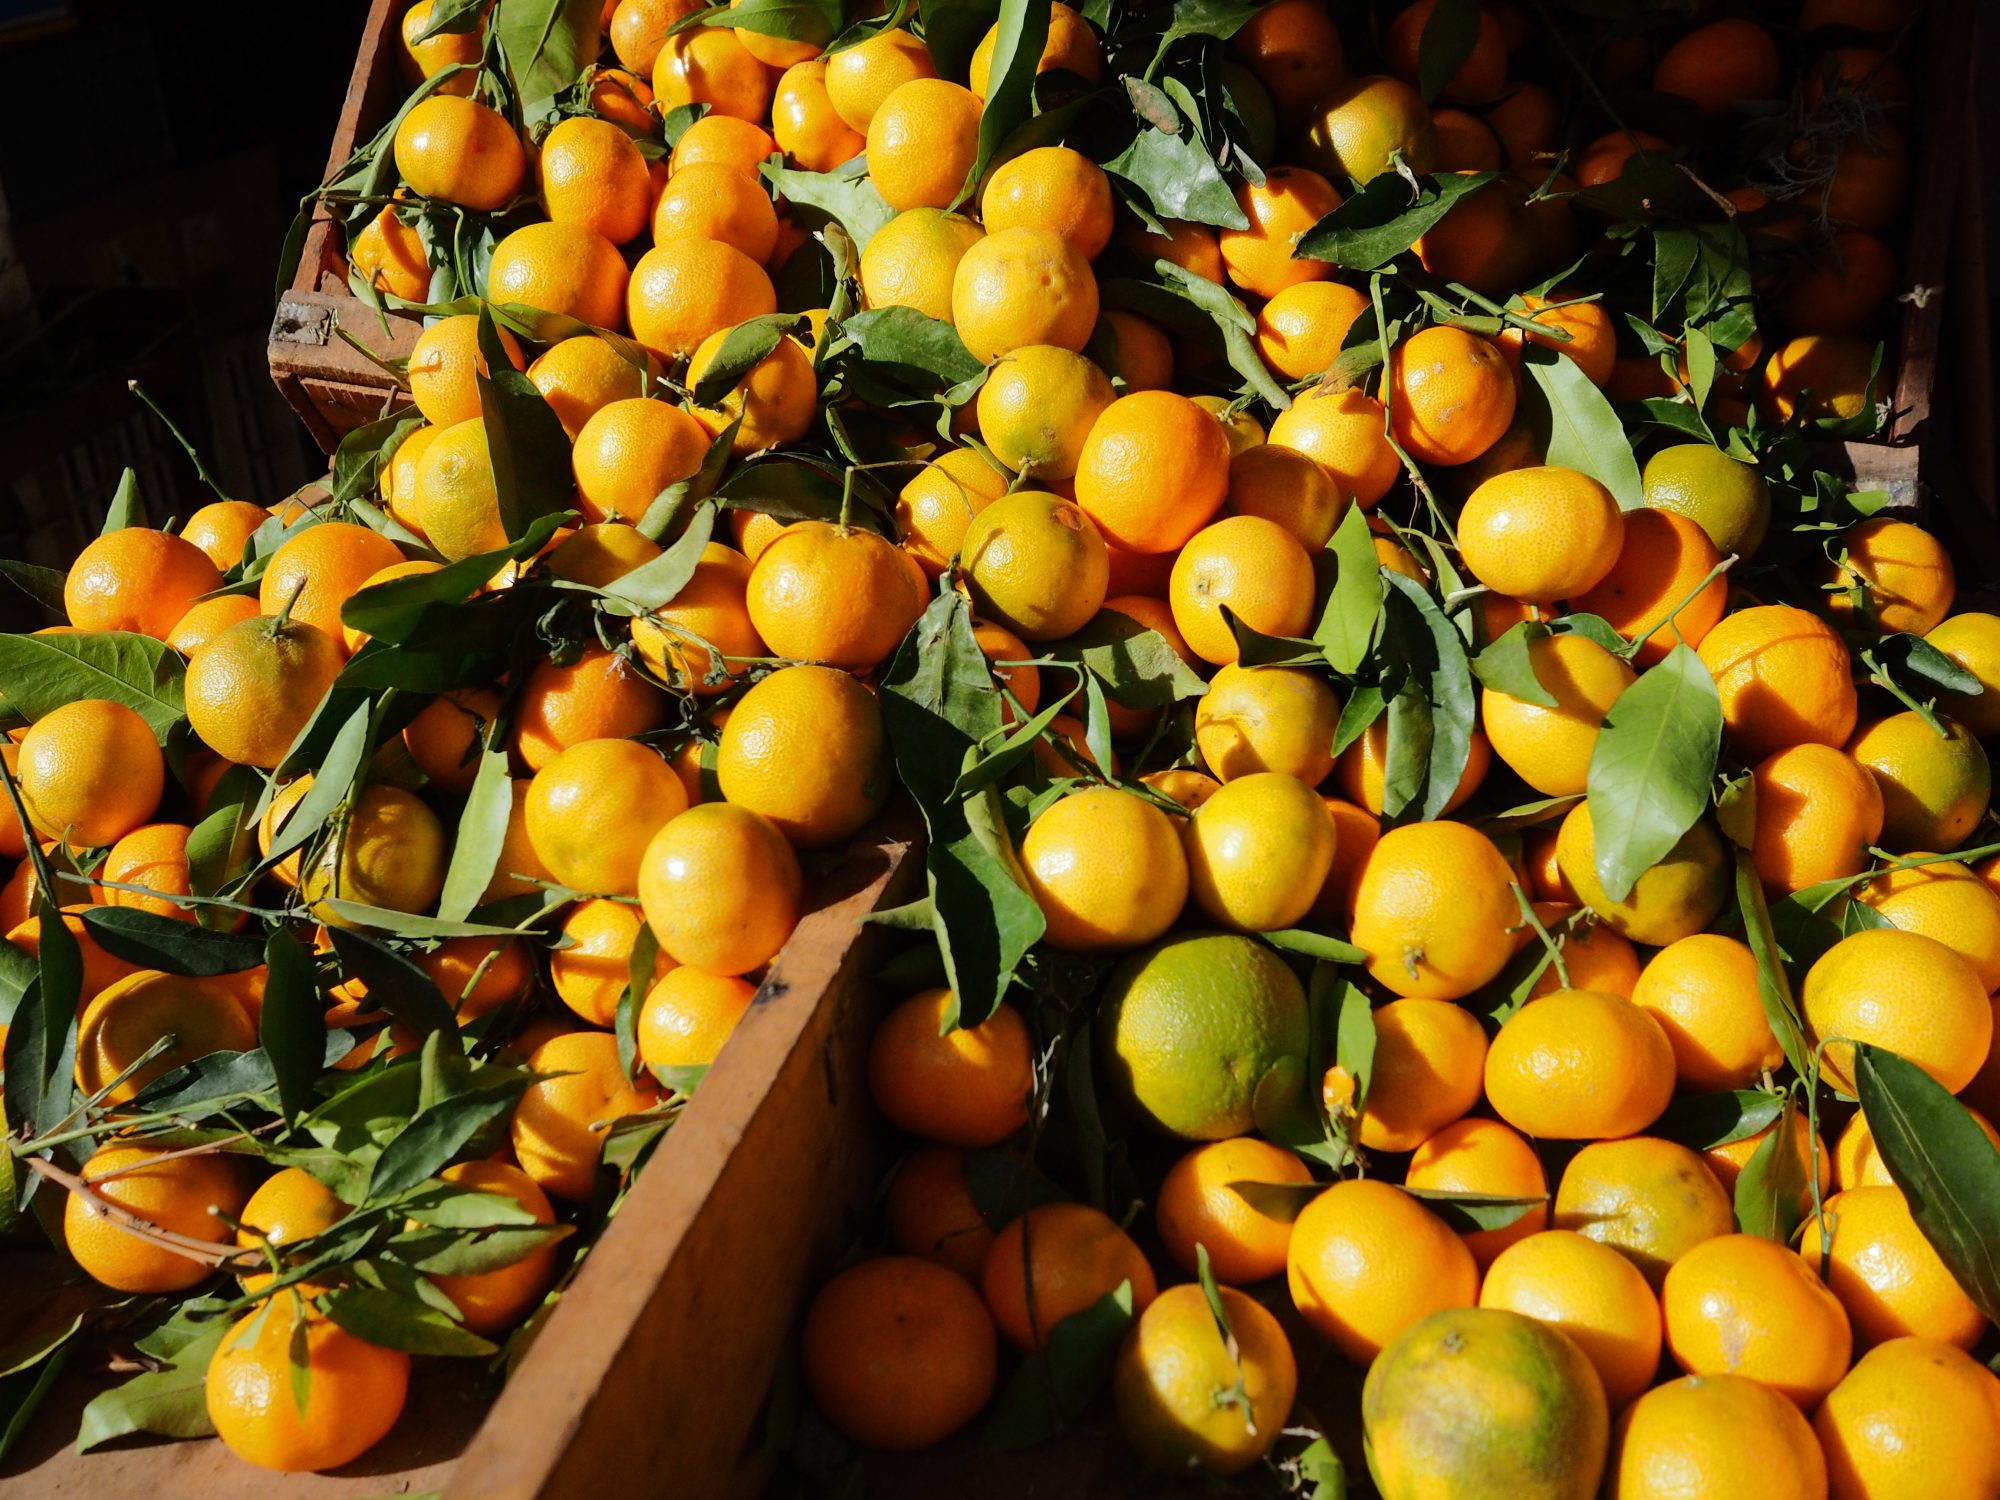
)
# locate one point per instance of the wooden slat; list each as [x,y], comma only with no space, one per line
[657,1360]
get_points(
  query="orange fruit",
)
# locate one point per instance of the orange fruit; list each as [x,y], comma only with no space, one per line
[1253,566]
[1481,1156]
[1361,767]
[1453,397]
[805,748]
[290,1205]
[1720,65]
[1288,203]
[1301,329]
[599,696]
[349,1396]
[1023,286]
[1037,409]
[1865,988]
[399,478]
[1487,241]
[1723,1437]
[137,579]
[1677,897]
[934,510]
[1946,901]
[708,65]
[1056,1260]
[629,451]
[100,969]
[1816,378]
[1354,130]
[390,853]
[1465,143]
[1607,158]
[1526,121]
[389,256]
[1258,851]
[775,402]
[1844,287]
[461,152]
[1267,719]
[1476,80]
[1192,247]
[967,1087]
[1434,910]
[1596,957]
[1703,992]
[1054,188]
[418,60]
[477,975]
[153,857]
[1740,1304]
[594,177]
[1904,572]
[89,773]
[932,1212]
[518,868]
[724,140]
[1589,1293]
[561,267]
[684,290]
[1429,1059]
[1885,1272]
[1650,1200]
[1071,48]
[457,498]
[1592,341]
[445,737]
[1367,1261]
[1784,677]
[559,1124]
[1107,870]
[1135,350]
[1199,1205]
[720,888]
[1345,432]
[1727,498]
[712,609]
[319,569]
[490,1302]
[1857,1162]
[223,528]
[1294,49]
[593,808]
[1289,489]
[1972,640]
[1662,569]
[712,200]
[205,621]
[922,141]
[1186,1399]
[1934,786]
[1035,564]
[1541,534]
[912,260]
[622,97]
[639,28]
[600,553]
[1913,1417]
[834,594]
[1549,747]
[860,77]
[899,1353]
[688,1015]
[1580,1065]
[1153,471]
[184,1195]
[592,967]
[805,124]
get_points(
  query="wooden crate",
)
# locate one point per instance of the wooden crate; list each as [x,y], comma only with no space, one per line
[329,383]
[657,1359]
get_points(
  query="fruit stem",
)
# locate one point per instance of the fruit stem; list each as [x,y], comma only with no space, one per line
[1632,648]
[1529,917]
[200,468]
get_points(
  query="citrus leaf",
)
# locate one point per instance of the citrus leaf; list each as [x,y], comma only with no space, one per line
[1384,219]
[1651,767]
[1354,604]
[332,783]
[362,455]
[393,1321]
[1177,178]
[395,985]
[1053,1386]
[952,31]
[547,43]
[436,1136]
[743,348]
[903,344]
[1433,712]
[482,832]
[525,442]
[1774,987]
[1314,945]
[813,21]
[844,195]
[1946,1167]
[291,1025]
[457,1253]
[128,506]
[152,941]
[1701,1122]
[41,673]
[169,1401]
[1010,81]
[43,585]
[1449,35]
[1506,666]
[1136,665]
[1467,1213]
[1580,428]
[1771,1184]
[405,609]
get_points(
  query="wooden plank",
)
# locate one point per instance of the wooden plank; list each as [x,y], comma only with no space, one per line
[658,1359]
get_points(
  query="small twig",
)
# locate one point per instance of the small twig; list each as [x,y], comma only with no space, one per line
[208,1252]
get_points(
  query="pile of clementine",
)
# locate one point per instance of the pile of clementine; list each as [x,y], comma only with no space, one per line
[1465,902]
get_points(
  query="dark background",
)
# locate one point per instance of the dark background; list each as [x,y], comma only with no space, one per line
[151,155]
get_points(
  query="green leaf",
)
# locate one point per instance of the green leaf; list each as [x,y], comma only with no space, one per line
[1234,323]
[291,1026]
[844,195]
[1652,766]
[155,942]
[457,1253]
[1314,945]
[453,17]
[1507,666]
[1774,988]
[1438,681]
[1944,1164]
[482,831]
[1178,178]
[660,581]
[26,1386]
[525,441]
[128,506]
[1051,1388]
[1580,427]
[336,777]
[1136,665]
[41,673]
[395,984]
[744,347]
[1354,1037]
[1702,1122]
[394,1321]
[1010,81]
[813,21]
[362,455]
[953,29]
[43,585]
[1772,1183]
[169,1401]
[915,348]
[1384,219]
[436,1136]
[446,1205]
[547,43]
[1467,1213]
[407,609]
[1354,603]
[1449,35]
